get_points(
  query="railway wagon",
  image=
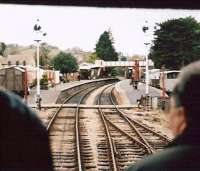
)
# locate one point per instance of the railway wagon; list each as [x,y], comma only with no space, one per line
[170,78]
[14,79]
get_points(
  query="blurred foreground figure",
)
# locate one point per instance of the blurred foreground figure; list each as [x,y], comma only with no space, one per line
[184,118]
[24,143]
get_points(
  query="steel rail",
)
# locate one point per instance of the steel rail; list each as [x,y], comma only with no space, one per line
[109,139]
[77,131]
[150,130]
[60,107]
[132,126]
[129,136]
[131,121]
[105,121]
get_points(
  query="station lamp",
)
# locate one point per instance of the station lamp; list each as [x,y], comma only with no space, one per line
[145,29]
[38,30]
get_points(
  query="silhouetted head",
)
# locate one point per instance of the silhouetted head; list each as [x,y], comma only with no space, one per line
[24,143]
[185,101]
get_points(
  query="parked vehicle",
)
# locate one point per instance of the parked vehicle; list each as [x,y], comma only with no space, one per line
[168,80]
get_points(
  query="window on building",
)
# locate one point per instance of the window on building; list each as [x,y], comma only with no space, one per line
[172,75]
[24,63]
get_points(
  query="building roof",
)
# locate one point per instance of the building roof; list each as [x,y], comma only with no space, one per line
[87,66]
[20,58]
[14,67]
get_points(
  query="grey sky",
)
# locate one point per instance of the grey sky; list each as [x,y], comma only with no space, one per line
[68,27]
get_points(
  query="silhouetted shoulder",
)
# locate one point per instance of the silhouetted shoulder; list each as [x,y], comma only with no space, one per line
[24,141]
[182,157]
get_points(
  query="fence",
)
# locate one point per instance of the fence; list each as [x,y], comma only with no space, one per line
[155,102]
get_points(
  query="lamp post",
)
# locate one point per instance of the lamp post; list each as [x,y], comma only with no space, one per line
[37,29]
[145,28]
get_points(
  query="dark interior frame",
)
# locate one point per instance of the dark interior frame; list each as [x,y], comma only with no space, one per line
[174,4]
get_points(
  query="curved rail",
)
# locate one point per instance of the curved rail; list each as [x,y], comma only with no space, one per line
[77,131]
[132,126]
[58,110]
[131,121]
[112,147]
[80,166]
[110,141]
[150,130]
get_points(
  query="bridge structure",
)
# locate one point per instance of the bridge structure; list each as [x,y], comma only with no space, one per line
[99,65]
[105,64]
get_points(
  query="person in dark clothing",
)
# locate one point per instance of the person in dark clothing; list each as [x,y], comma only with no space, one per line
[183,153]
[24,143]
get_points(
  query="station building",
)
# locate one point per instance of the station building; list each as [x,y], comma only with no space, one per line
[26,64]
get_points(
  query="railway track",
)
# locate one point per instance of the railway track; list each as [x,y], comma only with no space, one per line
[121,131]
[148,136]
[119,141]
[69,142]
[122,148]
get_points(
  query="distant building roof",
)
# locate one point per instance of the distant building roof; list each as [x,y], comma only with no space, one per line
[29,60]
[15,67]
[87,66]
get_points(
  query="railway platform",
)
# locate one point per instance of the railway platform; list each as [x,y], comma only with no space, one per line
[129,95]
[49,96]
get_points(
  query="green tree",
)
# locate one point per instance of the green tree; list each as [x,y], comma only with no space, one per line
[2,48]
[65,62]
[117,71]
[114,72]
[91,58]
[44,51]
[123,58]
[44,79]
[44,82]
[177,43]
[104,47]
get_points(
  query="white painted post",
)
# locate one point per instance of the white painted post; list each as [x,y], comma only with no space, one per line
[38,100]
[39,33]
[145,29]
[147,71]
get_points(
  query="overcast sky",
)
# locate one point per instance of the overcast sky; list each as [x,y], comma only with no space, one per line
[69,27]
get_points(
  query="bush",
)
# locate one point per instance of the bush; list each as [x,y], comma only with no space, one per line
[44,82]
[117,72]
[65,62]
[114,72]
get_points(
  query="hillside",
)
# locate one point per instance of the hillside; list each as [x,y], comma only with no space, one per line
[51,51]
